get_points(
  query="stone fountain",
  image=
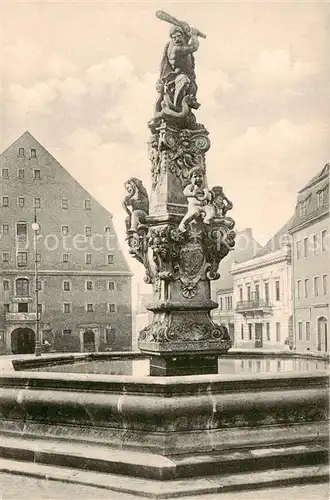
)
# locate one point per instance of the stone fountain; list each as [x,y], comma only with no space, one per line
[183,232]
[172,435]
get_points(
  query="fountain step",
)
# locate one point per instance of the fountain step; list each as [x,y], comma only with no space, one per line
[158,490]
[105,459]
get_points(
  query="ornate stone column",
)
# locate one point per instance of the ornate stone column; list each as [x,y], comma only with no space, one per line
[183,233]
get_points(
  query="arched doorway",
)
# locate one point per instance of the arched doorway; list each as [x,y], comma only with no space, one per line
[23,341]
[89,341]
[322,334]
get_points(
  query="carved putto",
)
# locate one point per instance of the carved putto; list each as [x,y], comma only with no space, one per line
[136,204]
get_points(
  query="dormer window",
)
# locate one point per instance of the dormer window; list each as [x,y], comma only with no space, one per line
[320,198]
[33,153]
[303,208]
[20,151]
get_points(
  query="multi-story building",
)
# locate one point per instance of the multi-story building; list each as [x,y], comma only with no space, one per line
[263,295]
[310,262]
[83,282]
[223,288]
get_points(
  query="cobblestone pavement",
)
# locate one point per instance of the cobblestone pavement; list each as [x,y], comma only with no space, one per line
[15,487]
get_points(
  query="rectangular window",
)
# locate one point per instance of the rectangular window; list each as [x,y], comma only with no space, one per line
[308,331]
[37,175]
[21,259]
[325,284]
[303,208]
[89,285]
[306,284]
[220,303]
[66,307]
[111,285]
[316,286]
[88,258]
[20,173]
[267,292]
[5,201]
[298,249]
[240,294]
[324,234]
[256,291]
[248,292]
[90,308]
[298,289]
[278,332]
[6,285]
[320,198]
[36,202]
[65,204]
[20,151]
[67,331]
[40,309]
[23,307]
[5,229]
[88,231]
[305,247]
[268,332]
[39,285]
[65,257]
[300,330]
[315,243]
[277,290]
[65,230]
[5,173]
[111,308]
[38,257]
[250,330]
[110,258]
[33,153]
[21,202]
[88,205]
[66,286]
[6,308]
[5,257]
[110,335]
[21,230]
[242,332]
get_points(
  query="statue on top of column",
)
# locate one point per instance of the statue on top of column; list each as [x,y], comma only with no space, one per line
[176,85]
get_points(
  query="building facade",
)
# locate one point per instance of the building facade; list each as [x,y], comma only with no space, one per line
[310,261]
[83,281]
[223,288]
[263,296]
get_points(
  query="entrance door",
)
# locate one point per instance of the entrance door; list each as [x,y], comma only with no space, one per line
[258,335]
[89,341]
[322,334]
[23,341]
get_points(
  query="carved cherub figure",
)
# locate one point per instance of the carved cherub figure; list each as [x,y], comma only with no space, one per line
[198,198]
[220,202]
[136,204]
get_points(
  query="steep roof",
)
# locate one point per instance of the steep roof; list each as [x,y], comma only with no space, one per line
[323,174]
[276,242]
[246,247]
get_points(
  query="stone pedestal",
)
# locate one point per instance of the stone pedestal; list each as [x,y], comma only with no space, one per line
[181,261]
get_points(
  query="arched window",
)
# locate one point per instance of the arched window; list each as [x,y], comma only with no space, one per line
[22,287]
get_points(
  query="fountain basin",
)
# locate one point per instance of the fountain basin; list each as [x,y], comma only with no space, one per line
[165,428]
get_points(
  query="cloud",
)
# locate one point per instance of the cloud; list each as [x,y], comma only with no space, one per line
[28,101]
[277,68]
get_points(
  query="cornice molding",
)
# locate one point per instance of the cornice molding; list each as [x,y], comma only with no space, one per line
[60,272]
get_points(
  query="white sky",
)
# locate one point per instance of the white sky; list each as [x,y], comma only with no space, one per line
[80,77]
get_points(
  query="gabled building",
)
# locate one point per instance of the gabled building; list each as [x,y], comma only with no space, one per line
[263,295]
[310,262]
[83,280]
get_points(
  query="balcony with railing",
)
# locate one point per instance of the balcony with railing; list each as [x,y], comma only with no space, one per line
[255,305]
